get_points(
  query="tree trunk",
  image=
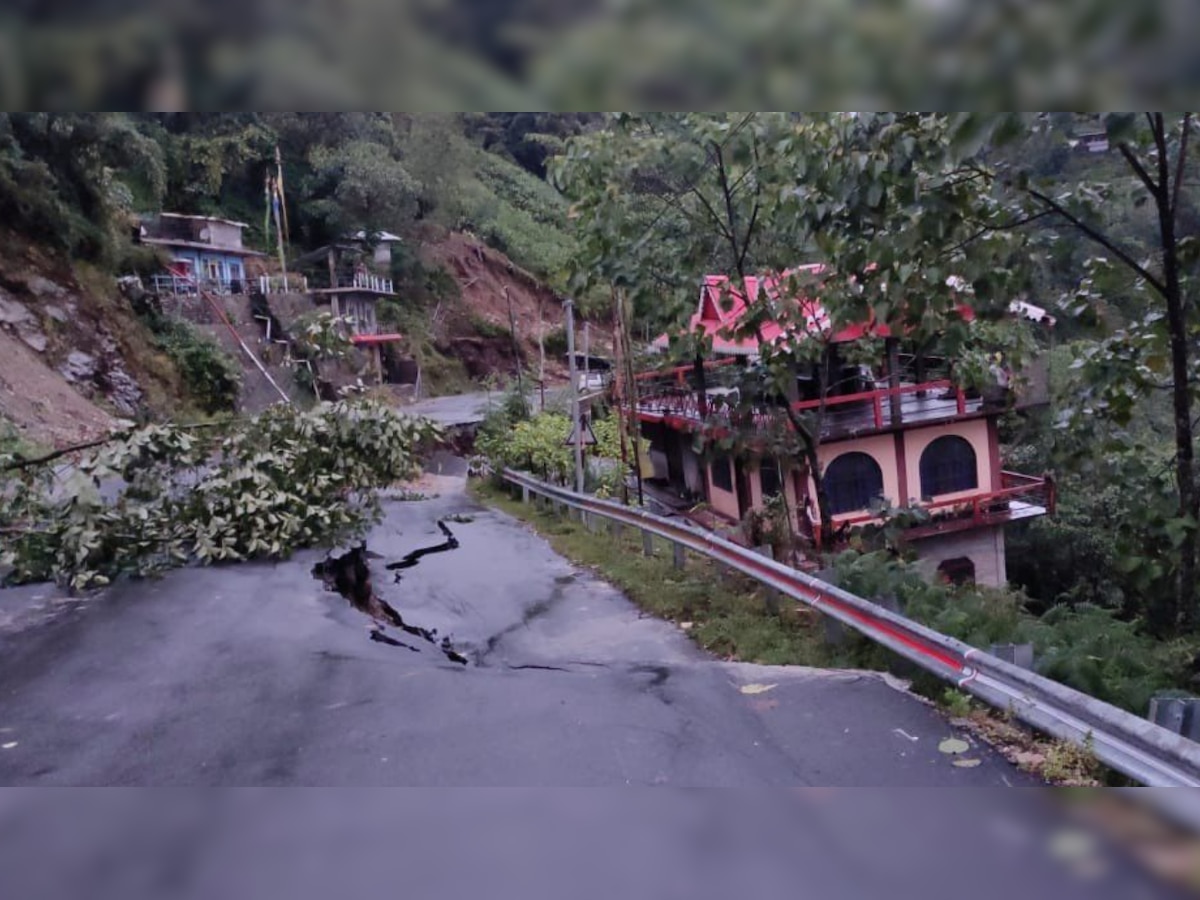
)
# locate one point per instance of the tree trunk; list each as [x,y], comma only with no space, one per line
[1182,610]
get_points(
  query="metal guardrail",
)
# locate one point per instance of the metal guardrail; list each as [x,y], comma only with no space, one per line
[1145,752]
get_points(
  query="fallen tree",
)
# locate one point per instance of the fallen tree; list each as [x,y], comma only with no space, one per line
[167,495]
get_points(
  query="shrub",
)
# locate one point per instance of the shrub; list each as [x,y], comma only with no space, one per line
[1085,647]
[211,376]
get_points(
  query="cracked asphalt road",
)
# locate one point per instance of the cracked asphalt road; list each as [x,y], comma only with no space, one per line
[256,675]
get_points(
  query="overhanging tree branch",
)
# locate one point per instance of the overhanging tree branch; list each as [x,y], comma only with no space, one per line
[1100,238]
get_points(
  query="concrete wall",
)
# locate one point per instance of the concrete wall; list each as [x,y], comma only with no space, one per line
[223,235]
[983,546]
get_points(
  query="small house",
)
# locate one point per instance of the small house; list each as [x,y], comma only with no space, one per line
[354,300]
[206,252]
[380,245]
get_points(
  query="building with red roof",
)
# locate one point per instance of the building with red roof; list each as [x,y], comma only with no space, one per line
[899,433]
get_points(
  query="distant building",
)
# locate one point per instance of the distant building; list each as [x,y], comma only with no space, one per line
[1092,142]
[206,252]
[383,242]
[354,300]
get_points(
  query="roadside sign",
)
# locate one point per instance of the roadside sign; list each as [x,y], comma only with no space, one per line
[589,436]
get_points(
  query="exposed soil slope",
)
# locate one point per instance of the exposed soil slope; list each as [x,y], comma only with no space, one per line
[74,358]
[42,403]
[476,329]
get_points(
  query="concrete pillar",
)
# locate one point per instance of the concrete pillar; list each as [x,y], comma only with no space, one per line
[524,494]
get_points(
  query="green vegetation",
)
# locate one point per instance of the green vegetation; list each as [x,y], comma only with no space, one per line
[1084,646]
[228,490]
[511,437]
[211,376]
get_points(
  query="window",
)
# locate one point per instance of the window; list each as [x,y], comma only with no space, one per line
[853,481]
[948,465]
[768,478]
[722,474]
[960,570]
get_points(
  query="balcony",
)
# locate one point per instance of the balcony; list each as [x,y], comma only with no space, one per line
[670,397]
[1020,497]
[848,416]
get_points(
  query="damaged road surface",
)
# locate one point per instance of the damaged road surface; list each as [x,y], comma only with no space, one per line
[492,662]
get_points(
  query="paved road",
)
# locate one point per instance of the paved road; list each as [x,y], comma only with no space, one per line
[470,409]
[257,675]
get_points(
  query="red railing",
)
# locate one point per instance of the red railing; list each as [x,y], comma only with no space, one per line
[978,509]
[841,415]
[678,375]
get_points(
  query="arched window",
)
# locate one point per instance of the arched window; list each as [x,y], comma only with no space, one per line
[948,465]
[960,570]
[853,481]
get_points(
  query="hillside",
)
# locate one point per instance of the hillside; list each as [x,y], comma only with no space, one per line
[475,328]
[481,228]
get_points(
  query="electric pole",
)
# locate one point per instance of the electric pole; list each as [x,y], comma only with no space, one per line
[575,417]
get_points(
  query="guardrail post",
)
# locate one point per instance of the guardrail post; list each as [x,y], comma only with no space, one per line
[1176,711]
[1017,654]
[770,594]
[524,494]
[614,530]
[680,555]
[647,543]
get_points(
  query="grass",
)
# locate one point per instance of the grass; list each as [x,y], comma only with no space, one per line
[724,612]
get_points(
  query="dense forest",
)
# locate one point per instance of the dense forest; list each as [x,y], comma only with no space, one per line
[75,180]
[1104,236]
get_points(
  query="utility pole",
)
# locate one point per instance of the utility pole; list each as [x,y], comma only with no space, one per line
[512,325]
[578,426]
[587,356]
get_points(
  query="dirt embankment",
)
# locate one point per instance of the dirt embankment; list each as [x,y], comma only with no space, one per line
[477,330]
[74,359]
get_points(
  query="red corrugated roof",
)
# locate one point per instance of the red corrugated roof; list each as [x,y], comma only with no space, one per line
[721,306]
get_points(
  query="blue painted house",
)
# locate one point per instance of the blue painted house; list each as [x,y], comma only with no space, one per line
[206,252]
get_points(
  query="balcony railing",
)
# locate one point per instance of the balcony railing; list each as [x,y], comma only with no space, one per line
[364,281]
[924,396]
[1020,496]
[187,285]
[849,415]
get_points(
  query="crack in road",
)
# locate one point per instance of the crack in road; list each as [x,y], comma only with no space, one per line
[349,574]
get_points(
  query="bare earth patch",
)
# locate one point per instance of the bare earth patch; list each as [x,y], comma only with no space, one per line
[42,403]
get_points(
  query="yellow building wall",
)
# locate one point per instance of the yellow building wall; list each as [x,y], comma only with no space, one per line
[722,501]
[881,448]
[975,431]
